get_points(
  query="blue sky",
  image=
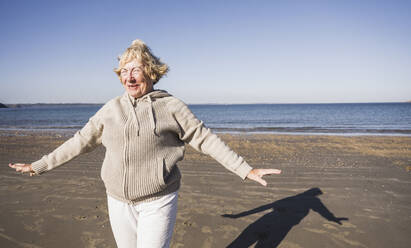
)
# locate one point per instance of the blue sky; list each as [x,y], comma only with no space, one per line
[218,51]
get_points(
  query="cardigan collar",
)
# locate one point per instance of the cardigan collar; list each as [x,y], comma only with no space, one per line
[148,98]
[151,96]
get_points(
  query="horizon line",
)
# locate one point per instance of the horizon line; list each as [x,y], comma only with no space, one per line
[252,103]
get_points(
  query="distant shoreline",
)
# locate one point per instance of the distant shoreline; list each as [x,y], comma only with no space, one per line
[19,105]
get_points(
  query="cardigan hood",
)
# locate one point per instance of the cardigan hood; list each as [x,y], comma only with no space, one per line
[148,98]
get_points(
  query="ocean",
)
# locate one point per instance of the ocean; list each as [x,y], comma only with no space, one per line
[332,119]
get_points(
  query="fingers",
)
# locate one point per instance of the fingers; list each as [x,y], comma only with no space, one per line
[20,167]
[257,174]
[258,179]
[16,166]
[269,171]
[261,181]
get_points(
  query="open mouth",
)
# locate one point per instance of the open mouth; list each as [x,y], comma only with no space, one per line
[133,86]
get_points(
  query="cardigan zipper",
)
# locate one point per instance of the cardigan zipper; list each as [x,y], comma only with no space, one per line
[126,159]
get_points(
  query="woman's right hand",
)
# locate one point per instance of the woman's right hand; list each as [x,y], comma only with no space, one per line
[20,167]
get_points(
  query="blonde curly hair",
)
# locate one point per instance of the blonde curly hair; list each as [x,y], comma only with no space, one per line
[153,68]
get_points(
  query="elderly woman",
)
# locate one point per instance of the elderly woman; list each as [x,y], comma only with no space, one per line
[144,132]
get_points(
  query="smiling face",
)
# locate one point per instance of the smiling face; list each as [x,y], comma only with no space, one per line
[133,80]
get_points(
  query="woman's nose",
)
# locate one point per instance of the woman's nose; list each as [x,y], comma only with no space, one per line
[131,76]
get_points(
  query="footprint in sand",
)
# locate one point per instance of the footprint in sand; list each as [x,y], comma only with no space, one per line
[288,244]
[189,223]
[329,226]
[208,243]
[81,217]
[206,229]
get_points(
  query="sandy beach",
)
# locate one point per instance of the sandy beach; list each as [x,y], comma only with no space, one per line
[335,191]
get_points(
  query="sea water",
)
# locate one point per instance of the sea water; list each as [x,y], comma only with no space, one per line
[335,119]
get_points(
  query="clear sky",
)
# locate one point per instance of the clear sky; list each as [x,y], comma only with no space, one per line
[218,51]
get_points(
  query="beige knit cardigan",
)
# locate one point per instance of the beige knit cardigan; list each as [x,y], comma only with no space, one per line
[144,139]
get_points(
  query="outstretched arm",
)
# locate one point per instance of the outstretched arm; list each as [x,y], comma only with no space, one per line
[83,141]
[203,140]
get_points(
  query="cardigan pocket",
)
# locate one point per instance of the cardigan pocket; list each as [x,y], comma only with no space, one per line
[160,172]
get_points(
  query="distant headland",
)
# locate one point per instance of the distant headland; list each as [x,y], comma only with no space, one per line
[19,105]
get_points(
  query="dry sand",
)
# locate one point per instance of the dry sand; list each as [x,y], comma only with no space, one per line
[363,180]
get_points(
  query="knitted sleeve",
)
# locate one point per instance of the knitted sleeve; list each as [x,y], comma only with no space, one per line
[84,140]
[203,140]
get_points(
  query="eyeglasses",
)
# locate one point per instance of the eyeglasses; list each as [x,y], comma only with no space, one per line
[135,71]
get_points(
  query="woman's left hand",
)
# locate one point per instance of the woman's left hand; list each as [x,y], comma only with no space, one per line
[257,175]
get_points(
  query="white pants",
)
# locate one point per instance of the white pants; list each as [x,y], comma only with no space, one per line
[145,225]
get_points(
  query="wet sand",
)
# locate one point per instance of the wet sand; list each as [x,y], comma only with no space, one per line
[361,182]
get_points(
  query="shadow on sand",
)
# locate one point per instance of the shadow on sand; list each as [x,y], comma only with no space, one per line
[271,229]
